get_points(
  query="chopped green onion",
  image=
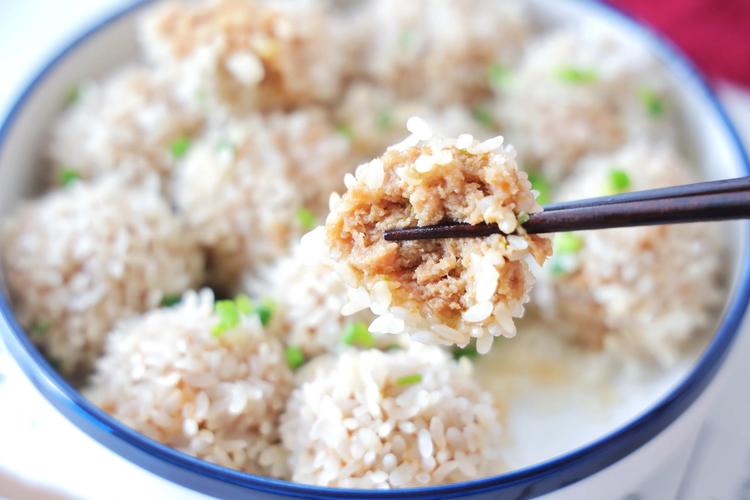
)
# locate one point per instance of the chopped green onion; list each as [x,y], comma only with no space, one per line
[345,131]
[409,379]
[385,120]
[653,103]
[567,243]
[229,316]
[576,76]
[294,357]
[265,310]
[40,327]
[171,300]
[470,351]
[244,304]
[557,267]
[201,96]
[306,219]
[540,184]
[357,334]
[67,176]
[498,75]
[179,147]
[224,145]
[618,181]
[483,116]
[394,347]
[73,95]
[406,39]
[522,218]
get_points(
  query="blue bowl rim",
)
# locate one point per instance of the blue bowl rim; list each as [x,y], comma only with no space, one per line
[534,480]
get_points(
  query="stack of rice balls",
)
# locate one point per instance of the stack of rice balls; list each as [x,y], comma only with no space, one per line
[164,268]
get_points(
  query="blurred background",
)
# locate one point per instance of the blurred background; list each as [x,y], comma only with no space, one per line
[64,463]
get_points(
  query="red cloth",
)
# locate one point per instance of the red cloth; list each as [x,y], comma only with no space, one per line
[714,33]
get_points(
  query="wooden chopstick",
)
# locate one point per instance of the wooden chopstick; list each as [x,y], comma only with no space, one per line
[710,201]
[710,187]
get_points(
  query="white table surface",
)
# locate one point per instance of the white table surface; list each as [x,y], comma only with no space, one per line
[41,449]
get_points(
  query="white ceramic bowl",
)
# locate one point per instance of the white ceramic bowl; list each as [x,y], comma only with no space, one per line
[657,437]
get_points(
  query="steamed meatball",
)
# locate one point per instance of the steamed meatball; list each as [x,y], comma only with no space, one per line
[79,259]
[446,290]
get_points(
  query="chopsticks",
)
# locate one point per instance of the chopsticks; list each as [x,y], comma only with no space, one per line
[699,202]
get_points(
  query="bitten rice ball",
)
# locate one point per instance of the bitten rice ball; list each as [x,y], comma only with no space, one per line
[79,259]
[442,50]
[373,419]
[214,394]
[249,188]
[447,290]
[579,93]
[129,122]
[646,290]
[242,55]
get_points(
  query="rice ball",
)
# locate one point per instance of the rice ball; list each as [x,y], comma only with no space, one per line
[79,259]
[397,419]
[645,291]
[129,123]
[444,291]
[577,93]
[217,396]
[442,50]
[248,188]
[242,55]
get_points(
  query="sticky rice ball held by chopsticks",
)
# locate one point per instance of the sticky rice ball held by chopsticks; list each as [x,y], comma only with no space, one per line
[442,291]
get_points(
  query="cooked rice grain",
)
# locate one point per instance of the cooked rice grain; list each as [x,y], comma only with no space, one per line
[79,259]
[371,419]
[167,375]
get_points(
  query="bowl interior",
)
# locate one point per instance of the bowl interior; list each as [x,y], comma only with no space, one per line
[709,142]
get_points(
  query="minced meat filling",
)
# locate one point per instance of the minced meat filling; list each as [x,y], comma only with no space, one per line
[425,182]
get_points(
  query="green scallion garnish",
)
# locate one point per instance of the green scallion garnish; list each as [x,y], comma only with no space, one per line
[522,218]
[357,334]
[294,357]
[244,304]
[567,243]
[618,181]
[179,147]
[470,351]
[576,76]
[384,120]
[498,75]
[265,310]
[67,176]
[229,316]
[306,219]
[73,95]
[412,379]
[224,145]
[557,267]
[540,184]
[40,327]
[345,131]
[171,300]
[406,39]
[653,103]
[483,116]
